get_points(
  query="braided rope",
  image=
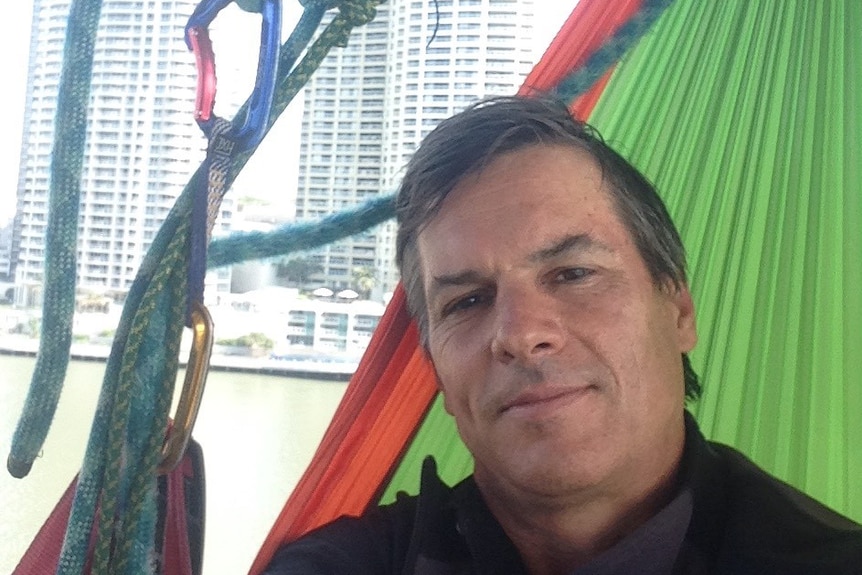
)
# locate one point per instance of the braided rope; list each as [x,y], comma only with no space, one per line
[70,129]
[300,236]
[129,368]
[108,477]
[143,489]
[611,51]
[153,319]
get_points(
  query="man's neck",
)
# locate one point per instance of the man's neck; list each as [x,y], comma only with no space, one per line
[557,542]
[557,536]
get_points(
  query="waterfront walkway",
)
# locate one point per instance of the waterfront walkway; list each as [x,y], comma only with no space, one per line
[330,367]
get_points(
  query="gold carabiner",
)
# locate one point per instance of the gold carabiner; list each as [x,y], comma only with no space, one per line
[193,389]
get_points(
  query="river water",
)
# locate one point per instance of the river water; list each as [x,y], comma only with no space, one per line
[258,433]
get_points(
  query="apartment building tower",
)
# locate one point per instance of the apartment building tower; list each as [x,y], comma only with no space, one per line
[341,148]
[370,104]
[141,145]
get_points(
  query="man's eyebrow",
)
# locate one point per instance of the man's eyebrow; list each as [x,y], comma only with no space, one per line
[569,243]
[456,279]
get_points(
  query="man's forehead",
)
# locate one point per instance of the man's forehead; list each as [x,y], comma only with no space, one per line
[524,205]
[574,153]
[562,156]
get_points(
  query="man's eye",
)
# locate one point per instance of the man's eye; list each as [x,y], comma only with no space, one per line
[463,303]
[572,274]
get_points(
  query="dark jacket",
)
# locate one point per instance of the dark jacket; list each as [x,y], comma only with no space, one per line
[743,522]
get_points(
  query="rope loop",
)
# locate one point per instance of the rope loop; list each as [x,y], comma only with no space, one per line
[319,4]
[352,13]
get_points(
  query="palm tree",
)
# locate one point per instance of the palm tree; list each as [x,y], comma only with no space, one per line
[364,280]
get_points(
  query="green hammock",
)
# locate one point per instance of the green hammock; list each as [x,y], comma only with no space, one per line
[748,119]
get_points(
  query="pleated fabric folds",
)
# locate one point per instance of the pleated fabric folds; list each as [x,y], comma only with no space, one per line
[747,116]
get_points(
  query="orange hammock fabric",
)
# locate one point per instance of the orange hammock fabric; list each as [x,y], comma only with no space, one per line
[394,384]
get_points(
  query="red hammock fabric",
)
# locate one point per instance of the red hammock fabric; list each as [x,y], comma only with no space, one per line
[590,24]
[395,384]
[181,556]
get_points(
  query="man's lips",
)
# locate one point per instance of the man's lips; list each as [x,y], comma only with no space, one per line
[542,399]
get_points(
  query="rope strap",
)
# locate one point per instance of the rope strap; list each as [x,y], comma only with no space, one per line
[205,208]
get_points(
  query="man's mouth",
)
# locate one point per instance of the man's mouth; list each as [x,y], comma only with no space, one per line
[537,402]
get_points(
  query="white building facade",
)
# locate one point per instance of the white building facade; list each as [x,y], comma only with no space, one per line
[300,327]
[341,151]
[142,142]
[370,104]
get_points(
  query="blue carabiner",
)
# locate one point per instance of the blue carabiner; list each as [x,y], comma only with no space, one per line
[198,40]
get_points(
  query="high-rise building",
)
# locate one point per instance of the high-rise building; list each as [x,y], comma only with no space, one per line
[142,143]
[341,151]
[371,103]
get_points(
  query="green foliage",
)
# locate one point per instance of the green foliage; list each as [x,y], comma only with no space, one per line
[250,340]
[298,270]
[364,280]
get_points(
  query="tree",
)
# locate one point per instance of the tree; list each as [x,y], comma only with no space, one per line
[364,280]
[298,270]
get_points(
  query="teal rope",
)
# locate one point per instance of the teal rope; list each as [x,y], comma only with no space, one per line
[134,542]
[70,129]
[582,79]
[134,320]
[136,429]
[300,236]
[131,488]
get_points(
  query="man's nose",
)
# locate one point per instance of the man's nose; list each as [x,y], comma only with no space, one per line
[527,326]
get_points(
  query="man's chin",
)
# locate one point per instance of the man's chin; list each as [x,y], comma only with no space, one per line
[555,463]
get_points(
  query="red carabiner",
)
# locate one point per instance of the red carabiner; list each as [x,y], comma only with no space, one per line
[198,40]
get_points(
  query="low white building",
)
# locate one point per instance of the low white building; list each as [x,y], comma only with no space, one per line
[299,326]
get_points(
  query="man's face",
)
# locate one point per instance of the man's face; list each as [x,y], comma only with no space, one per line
[557,354]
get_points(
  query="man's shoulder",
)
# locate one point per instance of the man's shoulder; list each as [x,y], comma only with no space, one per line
[371,543]
[382,540]
[782,525]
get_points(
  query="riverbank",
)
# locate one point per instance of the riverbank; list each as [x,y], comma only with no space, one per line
[326,367]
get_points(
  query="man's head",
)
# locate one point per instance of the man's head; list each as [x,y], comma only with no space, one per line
[550,288]
[463,144]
